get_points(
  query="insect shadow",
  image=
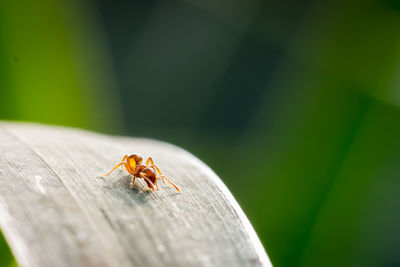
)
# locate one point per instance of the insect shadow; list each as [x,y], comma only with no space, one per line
[119,189]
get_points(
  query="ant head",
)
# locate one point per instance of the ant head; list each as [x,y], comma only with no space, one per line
[138,158]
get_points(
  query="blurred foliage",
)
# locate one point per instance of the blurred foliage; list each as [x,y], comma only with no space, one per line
[52,66]
[6,258]
[295,104]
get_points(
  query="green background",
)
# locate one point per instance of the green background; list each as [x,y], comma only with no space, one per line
[295,104]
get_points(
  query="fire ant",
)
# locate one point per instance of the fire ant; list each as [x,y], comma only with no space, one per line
[133,164]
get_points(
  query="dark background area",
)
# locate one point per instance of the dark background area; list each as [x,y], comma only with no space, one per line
[294,104]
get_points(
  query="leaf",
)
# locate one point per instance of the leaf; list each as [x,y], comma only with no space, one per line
[55,211]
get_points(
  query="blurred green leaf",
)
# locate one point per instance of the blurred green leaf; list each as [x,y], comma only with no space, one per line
[53,65]
[313,163]
[6,257]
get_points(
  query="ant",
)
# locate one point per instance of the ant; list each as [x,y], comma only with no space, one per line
[133,164]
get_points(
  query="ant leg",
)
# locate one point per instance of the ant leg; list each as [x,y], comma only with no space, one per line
[149,183]
[122,163]
[163,177]
[152,165]
[133,182]
[123,159]
[155,183]
[149,160]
